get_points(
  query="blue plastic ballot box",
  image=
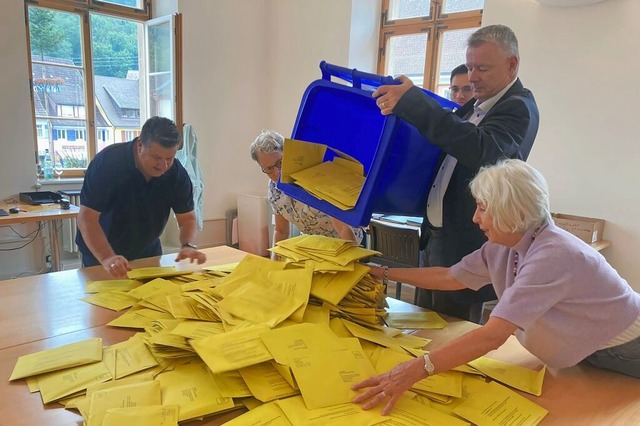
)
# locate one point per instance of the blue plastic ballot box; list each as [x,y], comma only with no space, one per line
[399,163]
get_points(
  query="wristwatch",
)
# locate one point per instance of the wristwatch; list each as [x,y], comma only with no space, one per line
[428,365]
[193,246]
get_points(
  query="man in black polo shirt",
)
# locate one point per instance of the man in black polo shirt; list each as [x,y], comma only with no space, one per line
[128,191]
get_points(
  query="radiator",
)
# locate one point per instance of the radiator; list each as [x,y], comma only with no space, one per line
[70,229]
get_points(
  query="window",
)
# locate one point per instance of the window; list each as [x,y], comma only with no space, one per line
[81,106]
[426,39]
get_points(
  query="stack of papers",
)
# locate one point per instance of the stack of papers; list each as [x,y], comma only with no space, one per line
[286,340]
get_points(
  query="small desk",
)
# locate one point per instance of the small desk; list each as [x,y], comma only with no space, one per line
[44,312]
[50,213]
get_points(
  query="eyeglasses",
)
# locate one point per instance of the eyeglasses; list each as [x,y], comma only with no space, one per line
[464,89]
[270,169]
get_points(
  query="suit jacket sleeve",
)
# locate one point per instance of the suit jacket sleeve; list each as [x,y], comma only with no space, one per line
[508,129]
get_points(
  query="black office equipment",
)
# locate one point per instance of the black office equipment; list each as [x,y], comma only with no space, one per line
[40,197]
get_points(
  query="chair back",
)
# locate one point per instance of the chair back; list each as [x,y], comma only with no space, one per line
[399,245]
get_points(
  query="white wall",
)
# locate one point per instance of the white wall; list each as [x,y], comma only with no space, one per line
[581,64]
[17,149]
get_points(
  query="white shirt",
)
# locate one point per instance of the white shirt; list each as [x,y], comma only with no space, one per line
[441,182]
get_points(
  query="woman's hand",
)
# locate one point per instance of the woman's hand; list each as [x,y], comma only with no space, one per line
[388,387]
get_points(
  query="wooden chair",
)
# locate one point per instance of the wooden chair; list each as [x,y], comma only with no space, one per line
[400,248]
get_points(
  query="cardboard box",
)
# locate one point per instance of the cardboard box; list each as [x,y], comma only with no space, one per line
[588,229]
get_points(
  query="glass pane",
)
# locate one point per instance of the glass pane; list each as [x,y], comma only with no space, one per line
[114,43]
[160,66]
[405,9]
[135,4]
[406,55]
[58,86]
[452,53]
[455,6]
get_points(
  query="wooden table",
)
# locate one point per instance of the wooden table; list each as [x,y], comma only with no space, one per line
[44,311]
[50,213]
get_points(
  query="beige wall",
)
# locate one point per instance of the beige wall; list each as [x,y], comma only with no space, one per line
[581,63]
[247,63]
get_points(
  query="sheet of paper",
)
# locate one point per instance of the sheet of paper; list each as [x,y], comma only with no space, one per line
[521,378]
[500,406]
[75,354]
[233,350]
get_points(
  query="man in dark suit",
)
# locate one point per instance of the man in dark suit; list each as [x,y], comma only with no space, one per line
[500,122]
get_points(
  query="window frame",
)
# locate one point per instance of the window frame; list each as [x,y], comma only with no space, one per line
[84,8]
[435,24]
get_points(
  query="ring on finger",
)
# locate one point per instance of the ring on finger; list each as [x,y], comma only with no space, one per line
[383,394]
[113,265]
[383,105]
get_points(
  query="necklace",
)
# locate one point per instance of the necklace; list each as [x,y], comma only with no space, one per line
[516,256]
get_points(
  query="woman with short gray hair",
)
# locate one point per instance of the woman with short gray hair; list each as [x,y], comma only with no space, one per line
[266,150]
[556,294]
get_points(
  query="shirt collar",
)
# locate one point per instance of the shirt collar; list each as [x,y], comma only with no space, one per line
[527,239]
[489,103]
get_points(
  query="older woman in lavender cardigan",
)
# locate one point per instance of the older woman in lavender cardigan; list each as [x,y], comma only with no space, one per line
[560,297]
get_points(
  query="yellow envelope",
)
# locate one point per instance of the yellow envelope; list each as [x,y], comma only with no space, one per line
[498,405]
[521,378]
[192,388]
[337,371]
[115,300]
[266,383]
[128,357]
[150,415]
[408,412]
[300,340]
[155,272]
[63,383]
[75,354]
[111,285]
[415,320]
[139,318]
[233,350]
[125,396]
[335,415]
[299,155]
[264,415]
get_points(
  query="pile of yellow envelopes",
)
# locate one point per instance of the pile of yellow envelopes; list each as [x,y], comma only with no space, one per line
[338,181]
[284,339]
